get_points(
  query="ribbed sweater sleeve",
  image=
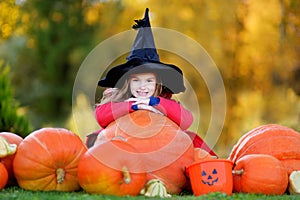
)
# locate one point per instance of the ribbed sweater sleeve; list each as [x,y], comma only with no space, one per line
[176,112]
[107,113]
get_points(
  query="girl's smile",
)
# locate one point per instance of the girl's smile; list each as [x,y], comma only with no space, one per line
[143,85]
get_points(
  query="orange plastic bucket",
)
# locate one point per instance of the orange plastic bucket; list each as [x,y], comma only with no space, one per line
[213,175]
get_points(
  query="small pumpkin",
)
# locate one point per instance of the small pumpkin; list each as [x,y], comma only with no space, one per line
[164,147]
[112,168]
[260,173]
[294,182]
[3,176]
[13,139]
[276,140]
[47,159]
[155,188]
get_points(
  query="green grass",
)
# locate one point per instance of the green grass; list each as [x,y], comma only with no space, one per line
[17,193]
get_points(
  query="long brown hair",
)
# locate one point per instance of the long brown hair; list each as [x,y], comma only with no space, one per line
[124,93]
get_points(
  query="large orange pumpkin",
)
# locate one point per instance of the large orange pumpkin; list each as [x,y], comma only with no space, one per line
[8,160]
[260,173]
[47,159]
[112,168]
[272,139]
[3,176]
[164,147]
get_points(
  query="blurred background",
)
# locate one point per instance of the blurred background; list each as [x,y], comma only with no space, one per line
[255,45]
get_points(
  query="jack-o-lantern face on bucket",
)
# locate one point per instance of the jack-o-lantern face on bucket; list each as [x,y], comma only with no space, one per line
[210,177]
[213,175]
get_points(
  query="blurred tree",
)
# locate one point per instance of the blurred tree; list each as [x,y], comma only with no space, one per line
[290,42]
[10,119]
[59,35]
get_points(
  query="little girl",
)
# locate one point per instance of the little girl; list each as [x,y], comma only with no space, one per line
[141,91]
[144,83]
[144,90]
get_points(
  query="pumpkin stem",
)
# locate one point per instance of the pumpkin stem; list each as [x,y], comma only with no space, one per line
[60,175]
[6,148]
[126,175]
[238,172]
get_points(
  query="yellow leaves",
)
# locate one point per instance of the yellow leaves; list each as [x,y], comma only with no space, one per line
[31,43]
[44,24]
[91,16]
[134,3]
[249,102]
[6,30]
[262,17]
[186,13]
[57,16]
[25,18]
[9,16]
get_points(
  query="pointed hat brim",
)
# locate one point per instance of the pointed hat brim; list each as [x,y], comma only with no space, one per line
[169,75]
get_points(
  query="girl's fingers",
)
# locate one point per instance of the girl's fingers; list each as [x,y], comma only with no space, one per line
[150,108]
[141,101]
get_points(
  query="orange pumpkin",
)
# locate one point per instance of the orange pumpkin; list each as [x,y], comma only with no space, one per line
[260,173]
[3,176]
[278,141]
[165,149]
[8,160]
[47,159]
[244,137]
[112,168]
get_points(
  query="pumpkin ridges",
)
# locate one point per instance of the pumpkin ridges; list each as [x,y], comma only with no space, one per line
[246,138]
[249,134]
[291,164]
[38,155]
[59,140]
[262,174]
[173,176]
[72,164]
[266,146]
[169,138]
[43,182]
[98,175]
[262,132]
[44,151]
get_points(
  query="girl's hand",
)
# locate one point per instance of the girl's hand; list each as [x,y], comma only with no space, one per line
[138,101]
[109,91]
[143,104]
[150,108]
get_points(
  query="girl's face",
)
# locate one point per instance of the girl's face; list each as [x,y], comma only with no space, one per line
[143,85]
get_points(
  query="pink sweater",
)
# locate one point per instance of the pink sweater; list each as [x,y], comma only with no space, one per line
[106,113]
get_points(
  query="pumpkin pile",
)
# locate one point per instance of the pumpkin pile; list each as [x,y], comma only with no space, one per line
[146,156]
[145,153]
[161,146]
[264,158]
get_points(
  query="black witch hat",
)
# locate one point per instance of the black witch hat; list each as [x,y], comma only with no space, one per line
[144,58]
